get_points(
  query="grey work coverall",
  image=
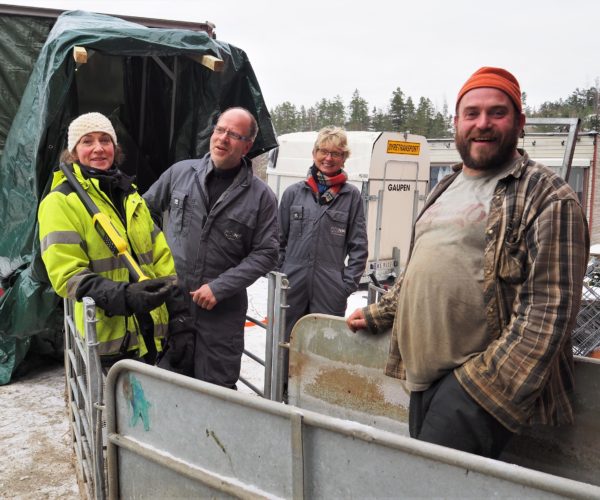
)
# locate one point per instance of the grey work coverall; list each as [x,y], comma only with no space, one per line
[229,247]
[314,241]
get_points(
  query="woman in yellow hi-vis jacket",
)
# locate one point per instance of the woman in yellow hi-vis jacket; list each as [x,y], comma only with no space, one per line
[132,316]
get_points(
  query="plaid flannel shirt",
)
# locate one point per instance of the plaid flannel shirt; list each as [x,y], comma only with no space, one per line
[535,258]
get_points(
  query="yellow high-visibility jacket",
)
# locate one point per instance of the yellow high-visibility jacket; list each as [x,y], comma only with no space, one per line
[72,249]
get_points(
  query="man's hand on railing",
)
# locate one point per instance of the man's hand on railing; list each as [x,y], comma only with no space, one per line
[356,321]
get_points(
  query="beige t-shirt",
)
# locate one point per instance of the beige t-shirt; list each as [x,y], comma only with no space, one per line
[440,308]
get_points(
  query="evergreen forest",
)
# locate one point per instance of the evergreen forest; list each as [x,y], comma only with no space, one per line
[418,116]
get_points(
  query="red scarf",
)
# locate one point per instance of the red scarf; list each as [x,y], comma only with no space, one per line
[325,187]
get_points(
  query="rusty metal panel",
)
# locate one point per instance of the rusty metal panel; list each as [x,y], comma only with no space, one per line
[340,373]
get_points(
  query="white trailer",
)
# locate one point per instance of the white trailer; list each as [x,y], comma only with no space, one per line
[392,171]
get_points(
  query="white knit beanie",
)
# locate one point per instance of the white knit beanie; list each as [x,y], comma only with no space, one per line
[87,123]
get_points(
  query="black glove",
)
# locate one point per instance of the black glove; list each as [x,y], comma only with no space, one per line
[179,301]
[180,342]
[108,295]
[144,296]
[179,349]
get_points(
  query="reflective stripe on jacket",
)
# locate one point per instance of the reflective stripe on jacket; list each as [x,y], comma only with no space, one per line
[72,249]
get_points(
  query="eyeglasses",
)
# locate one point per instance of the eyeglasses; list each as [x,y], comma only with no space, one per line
[334,154]
[230,134]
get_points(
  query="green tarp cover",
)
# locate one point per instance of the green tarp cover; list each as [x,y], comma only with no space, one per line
[21,39]
[163,105]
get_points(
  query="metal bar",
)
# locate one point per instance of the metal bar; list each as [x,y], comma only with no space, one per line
[173,76]
[215,481]
[364,194]
[550,121]
[570,148]
[378,223]
[173,101]
[142,119]
[297,456]
[251,386]
[373,293]
[95,397]
[254,357]
[207,27]
[396,256]
[415,200]
[256,322]
[269,336]
[164,67]
[573,124]
[279,341]
[81,380]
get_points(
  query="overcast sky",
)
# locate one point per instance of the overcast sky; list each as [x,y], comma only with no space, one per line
[304,50]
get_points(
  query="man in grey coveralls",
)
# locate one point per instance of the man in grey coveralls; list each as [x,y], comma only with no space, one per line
[223,233]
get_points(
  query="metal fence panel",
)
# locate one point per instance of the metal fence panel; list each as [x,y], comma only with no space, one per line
[85,384]
[175,436]
[241,445]
[193,428]
[85,398]
[340,373]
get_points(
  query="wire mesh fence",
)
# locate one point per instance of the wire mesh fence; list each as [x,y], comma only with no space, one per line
[586,335]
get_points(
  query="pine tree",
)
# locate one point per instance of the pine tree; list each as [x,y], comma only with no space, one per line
[358,112]
[380,121]
[397,112]
[285,118]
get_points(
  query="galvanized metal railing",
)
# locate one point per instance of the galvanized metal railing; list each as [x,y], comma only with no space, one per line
[86,381]
[275,339]
[204,441]
[85,385]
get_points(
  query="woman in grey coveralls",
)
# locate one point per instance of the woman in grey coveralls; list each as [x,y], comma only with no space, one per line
[322,236]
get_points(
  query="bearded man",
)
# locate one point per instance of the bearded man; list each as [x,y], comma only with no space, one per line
[482,317]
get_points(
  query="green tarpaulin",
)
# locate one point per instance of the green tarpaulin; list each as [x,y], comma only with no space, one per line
[163,104]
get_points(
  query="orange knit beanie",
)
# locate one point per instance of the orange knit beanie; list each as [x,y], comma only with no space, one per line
[496,78]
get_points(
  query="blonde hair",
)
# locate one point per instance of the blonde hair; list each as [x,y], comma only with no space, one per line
[335,136]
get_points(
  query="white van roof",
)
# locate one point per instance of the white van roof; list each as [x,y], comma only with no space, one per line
[296,148]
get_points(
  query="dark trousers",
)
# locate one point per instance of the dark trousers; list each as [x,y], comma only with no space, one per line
[220,340]
[445,414]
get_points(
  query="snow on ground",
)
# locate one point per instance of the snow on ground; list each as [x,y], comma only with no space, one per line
[37,459]
[255,336]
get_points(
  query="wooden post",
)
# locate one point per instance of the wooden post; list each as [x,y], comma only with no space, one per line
[211,62]
[80,55]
